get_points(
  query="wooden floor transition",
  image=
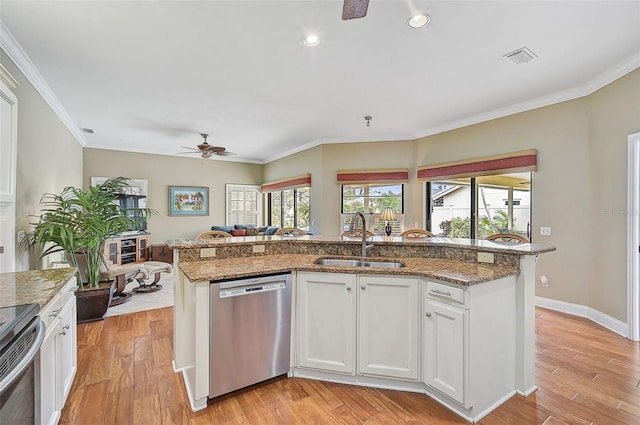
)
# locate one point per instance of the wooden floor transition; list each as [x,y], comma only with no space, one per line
[585,374]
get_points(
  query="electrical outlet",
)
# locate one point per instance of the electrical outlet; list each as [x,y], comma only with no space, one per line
[207,252]
[544,281]
[257,249]
[485,257]
[545,231]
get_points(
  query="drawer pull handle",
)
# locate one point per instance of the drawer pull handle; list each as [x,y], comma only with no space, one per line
[64,332]
[54,313]
[66,326]
[363,287]
[428,314]
[439,292]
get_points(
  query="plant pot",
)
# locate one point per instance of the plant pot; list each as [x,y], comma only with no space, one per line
[92,303]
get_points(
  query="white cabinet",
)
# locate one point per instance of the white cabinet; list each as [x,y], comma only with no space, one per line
[388,326]
[379,315]
[58,353]
[326,321]
[468,342]
[49,412]
[445,348]
[68,347]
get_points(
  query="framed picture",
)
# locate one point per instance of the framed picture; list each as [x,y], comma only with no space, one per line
[188,200]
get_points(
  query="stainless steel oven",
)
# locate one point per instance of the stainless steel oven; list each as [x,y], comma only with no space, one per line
[21,335]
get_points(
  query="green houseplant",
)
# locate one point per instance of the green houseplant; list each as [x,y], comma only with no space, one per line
[79,222]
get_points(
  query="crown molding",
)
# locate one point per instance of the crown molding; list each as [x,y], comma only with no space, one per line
[11,47]
[586,89]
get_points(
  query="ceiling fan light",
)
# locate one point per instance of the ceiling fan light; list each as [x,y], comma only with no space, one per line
[419,21]
[311,40]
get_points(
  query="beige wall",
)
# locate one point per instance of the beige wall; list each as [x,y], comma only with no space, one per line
[307,161]
[162,171]
[49,157]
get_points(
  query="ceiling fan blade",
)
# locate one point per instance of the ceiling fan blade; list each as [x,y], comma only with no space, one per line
[353,9]
[185,153]
[225,153]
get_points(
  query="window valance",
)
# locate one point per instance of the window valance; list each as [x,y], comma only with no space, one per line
[384,175]
[303,180]
[513,162]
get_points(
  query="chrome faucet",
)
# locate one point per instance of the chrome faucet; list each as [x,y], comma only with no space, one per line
[352,227]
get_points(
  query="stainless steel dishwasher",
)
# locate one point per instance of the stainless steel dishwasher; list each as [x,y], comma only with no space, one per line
[250,331]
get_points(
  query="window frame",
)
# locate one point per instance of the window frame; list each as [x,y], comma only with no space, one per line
[269,199]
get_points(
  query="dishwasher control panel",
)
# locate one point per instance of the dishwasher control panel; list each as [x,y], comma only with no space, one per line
[246,290]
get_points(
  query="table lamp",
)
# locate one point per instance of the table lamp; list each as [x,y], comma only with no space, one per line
[387,215]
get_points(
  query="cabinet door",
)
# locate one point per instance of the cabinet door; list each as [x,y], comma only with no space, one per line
[444,348]
[49,410]
[112,251]
[67,358]
[326,321]
[388,326]
[143,248]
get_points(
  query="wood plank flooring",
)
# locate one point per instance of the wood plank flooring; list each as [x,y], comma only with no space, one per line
[585,373]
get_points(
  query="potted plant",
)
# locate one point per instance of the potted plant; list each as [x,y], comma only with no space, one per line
[78,222]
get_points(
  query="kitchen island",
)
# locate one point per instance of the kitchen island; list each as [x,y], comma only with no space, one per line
[459,330]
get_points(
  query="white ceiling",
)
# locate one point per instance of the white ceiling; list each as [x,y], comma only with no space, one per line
[148,76]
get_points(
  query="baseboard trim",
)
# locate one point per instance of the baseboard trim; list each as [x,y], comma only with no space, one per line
[592,314]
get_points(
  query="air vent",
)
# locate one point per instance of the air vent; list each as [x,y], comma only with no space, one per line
[523,55]
[87,130]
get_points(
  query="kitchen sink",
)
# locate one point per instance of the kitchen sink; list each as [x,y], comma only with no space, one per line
[383,264]
[344,262]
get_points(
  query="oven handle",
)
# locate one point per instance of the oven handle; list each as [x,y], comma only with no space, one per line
[24,363]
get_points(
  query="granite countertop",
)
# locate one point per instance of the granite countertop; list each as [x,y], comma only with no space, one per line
[474,244]
[458,272]
[33,286]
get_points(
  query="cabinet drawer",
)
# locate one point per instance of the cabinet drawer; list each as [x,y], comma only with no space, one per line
[446,293]
[69,290]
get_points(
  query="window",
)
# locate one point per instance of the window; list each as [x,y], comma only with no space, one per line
[289,208]
[370,199]
[500,203]
[244,205]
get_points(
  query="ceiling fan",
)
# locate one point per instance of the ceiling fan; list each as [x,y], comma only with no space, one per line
[353,9]
[206,150]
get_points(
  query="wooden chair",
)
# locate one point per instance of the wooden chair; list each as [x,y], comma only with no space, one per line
[213,234]
[416,233]
[357,233]
[507,238]
[290,231]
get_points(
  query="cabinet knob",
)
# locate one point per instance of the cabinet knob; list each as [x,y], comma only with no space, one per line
[348,288]
[64,332]
[363,287]
[428,314]
[66,326]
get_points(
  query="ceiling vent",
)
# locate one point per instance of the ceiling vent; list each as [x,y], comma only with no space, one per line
[522,55]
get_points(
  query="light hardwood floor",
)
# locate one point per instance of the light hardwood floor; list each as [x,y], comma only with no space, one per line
[585,373]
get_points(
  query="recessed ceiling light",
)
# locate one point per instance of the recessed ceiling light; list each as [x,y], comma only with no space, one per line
[418,21]
[311,40]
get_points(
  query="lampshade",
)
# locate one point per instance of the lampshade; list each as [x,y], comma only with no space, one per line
[387,214]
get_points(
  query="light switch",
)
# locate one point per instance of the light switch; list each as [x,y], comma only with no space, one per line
[545,231]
